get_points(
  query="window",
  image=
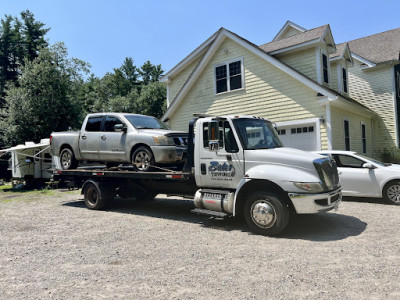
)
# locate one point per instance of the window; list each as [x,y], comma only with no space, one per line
[228,76]
[257,134]
[231,145]
[145,122]
[325,70]
[363,138]
[281,131]
[344,79]
[94,123]
[205,135]
[111,122]
[347,161]
[346,135]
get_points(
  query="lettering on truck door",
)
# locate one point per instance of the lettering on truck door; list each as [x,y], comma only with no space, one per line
[223,168]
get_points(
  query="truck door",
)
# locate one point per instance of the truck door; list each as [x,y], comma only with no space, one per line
[89,140]
[223,168]
[112,143]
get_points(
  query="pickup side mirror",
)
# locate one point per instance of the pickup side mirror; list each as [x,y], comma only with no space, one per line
[120,127]
[368,166]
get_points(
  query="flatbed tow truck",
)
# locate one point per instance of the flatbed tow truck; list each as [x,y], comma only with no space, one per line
[235,165]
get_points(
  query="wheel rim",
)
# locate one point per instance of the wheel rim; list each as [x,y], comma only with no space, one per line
[92,196]
[263,214]
[393,193]
[142,161]
[66,159]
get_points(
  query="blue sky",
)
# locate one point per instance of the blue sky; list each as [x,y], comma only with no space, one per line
[103,33]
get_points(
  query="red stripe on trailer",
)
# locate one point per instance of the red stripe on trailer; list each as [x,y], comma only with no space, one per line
[98,173]
[177,176]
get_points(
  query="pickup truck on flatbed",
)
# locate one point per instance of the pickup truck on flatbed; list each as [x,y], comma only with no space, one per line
[117,138]
[235,165]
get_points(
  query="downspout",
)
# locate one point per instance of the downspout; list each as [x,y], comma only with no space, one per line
[328,124]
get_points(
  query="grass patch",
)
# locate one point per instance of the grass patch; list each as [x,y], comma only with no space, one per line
[5,187]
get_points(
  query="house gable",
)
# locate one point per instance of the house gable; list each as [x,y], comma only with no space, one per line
[224,34]
[288,30]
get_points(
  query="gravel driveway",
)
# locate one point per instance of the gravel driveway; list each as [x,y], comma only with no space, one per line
[51,246]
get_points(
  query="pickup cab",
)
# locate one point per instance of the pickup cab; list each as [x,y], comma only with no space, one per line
[237,166]
[117,138]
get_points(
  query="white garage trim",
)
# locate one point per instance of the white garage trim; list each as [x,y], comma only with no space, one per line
[314,121]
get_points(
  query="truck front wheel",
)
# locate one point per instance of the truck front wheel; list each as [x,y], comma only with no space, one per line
[142,159]
[67,159]
[265,214]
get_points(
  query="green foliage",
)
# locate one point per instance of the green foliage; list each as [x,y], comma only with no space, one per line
[389,155]
[127,89]
[20,41]
[152,100]
[45,99]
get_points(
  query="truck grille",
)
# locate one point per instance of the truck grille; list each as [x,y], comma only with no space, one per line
[180,141]
[327,172]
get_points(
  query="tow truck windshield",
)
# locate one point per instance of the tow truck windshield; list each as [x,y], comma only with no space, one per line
[145,122]
[257,134]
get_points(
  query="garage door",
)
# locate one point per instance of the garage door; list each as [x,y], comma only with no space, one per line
[299,136]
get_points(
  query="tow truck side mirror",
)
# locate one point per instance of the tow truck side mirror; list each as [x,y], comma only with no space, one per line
[213,136]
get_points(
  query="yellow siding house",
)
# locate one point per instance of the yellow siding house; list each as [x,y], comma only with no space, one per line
[305,83]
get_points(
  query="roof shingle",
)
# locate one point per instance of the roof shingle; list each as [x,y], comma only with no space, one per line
[378,48]
[306,36]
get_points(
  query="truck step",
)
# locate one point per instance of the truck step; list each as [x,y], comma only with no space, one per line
[209,212]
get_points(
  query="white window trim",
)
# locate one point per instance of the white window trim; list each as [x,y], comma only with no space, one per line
[316,122]
[362,146]
[226,63]
[323,52]
[344,134]
[340,78]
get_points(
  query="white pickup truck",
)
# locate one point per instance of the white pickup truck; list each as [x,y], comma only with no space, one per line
[236,165]
[117,138]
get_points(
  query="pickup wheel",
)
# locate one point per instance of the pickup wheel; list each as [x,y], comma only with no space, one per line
[67,159]
[265,214]
[142,159]
[391,192]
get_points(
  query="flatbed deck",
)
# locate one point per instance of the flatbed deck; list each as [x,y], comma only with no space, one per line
[123,174]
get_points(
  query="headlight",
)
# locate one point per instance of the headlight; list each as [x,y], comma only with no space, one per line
[163,140]
[314,187]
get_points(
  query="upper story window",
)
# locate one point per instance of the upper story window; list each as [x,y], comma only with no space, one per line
[229,76]
[325,70]
[344,80]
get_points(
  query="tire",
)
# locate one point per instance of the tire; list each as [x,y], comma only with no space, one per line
[67,159]
[142,159]
[97,197]
[265,214]
[391,192]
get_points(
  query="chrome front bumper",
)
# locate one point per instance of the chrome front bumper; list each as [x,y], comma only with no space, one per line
[167,154]
[315,203]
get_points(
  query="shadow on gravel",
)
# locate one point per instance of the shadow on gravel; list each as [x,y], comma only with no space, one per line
[324,227]
[320,227]
[366,200]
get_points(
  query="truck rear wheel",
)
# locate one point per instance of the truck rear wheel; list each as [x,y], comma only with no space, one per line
[97,196]
[265,214]
[67,159]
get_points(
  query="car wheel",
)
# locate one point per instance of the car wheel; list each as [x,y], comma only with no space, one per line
[391,192]
[67,159]
[265,214]
[142,159]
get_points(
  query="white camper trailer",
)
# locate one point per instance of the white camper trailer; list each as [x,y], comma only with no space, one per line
[31,162]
